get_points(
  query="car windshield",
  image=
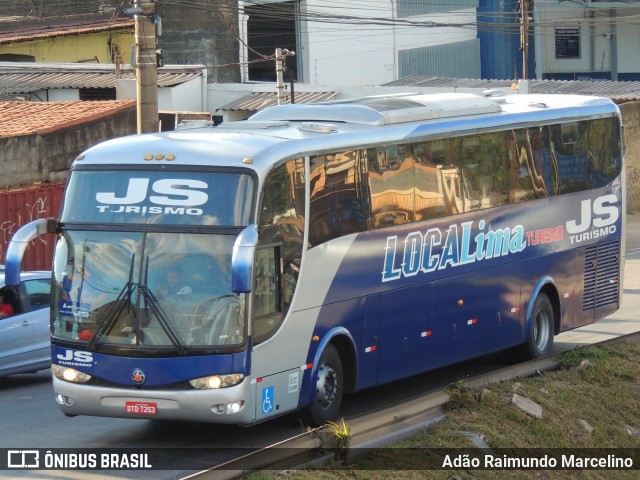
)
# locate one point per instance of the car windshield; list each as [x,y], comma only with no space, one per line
[169,290]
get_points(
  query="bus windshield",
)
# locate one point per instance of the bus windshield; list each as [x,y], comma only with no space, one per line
[137,289]
[166,197]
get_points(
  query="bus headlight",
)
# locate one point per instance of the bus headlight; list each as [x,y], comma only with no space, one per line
[69,374]
[217,381]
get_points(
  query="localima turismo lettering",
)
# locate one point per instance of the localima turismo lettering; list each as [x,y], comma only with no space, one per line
[419,253]
[419,256]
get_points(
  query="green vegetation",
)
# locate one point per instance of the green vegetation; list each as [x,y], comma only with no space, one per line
[591,402]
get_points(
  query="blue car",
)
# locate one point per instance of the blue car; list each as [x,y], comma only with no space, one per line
[25,344]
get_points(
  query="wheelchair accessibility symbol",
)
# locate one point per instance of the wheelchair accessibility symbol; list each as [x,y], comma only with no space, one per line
[267,400]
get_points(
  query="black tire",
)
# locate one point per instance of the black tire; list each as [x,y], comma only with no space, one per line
[328,389]
[541,330]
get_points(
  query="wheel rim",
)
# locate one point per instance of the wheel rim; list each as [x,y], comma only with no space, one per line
[327,385]
[541,330]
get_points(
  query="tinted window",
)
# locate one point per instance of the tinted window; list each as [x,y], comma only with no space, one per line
[570,154]
[533,167]
[392,185]
[484,166]
[280,251]
[39,292]
[605,157]
[159,197]
[336,203]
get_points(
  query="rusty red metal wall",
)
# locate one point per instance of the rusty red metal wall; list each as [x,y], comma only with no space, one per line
[21,206]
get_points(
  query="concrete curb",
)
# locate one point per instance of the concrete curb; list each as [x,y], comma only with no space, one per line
[373,430]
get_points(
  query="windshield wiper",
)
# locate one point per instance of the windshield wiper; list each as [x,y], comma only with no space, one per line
[117,306]
[165,323]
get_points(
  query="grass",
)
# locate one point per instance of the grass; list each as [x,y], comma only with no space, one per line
[591,402]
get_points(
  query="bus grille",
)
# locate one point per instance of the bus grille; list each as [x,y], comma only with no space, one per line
[601,275]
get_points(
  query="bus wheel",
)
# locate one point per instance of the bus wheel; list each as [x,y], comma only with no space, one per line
[327,397]
[541,328]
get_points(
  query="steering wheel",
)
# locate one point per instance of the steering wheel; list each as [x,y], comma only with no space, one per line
[223,316]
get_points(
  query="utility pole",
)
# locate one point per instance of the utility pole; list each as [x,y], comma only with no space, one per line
[280,75]
[280,56]
[524,37]
[146,66]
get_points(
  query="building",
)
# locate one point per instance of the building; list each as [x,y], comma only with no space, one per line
[180,87]
[587,40]
[361,42]
[53,31]
[201,33]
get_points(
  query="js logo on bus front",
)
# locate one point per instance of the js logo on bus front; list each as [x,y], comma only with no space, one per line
[75,358]
[169,196]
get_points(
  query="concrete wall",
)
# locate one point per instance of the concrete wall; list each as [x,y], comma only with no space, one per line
[46,158]
[631,119]
[194,33]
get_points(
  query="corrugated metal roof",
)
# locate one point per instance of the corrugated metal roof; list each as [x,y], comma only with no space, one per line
[617,91]
[257,101]
[17,77]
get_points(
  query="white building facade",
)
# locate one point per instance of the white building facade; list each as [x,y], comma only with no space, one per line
[372,42]
[587,40]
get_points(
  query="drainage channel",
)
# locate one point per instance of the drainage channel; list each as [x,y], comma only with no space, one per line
[372,430]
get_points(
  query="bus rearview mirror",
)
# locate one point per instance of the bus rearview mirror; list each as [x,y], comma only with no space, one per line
[243,259]
[19,243]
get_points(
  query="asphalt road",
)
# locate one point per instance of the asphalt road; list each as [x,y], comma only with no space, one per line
[30,418]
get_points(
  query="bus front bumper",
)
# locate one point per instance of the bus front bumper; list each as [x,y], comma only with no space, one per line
[232,405]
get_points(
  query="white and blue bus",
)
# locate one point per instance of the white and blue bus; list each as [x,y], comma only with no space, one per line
[235,273]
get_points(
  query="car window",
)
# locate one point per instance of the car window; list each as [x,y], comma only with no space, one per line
[39,292]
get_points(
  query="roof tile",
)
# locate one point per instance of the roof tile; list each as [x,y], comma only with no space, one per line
[24,34]
[27,118]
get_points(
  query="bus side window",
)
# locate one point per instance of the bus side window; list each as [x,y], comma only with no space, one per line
[280,247]
[391,187]
[604,150]
[484,171]
[267,311]
[543,167]
[336,196]
[429,182]
[522,170]
[571,157]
